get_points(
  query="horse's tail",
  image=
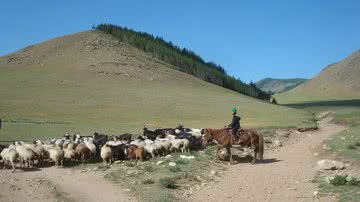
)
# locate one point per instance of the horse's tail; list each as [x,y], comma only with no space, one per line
[261,147]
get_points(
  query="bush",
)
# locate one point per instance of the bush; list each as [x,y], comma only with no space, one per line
[174,169]
[351,146]
[149,168]
[129,164]
[167,183]
[182,161]
[148,181]
[338,180]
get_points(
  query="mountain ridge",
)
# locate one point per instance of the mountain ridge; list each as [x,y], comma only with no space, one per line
[277,85]
[337,81]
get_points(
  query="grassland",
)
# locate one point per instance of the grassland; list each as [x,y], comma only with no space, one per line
[66,86]
[160,182]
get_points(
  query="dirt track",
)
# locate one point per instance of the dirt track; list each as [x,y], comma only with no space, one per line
[285,175]
[56,184]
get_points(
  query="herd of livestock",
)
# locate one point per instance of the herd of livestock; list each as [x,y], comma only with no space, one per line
[151,144]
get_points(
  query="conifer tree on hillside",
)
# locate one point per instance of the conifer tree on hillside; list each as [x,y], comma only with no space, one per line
[185,60]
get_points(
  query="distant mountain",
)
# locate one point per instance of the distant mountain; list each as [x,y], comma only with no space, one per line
[279,85]
[338,81]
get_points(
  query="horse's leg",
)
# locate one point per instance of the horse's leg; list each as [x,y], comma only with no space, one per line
[228,148]
[253,146]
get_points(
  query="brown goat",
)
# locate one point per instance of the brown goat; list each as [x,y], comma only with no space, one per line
[137,153]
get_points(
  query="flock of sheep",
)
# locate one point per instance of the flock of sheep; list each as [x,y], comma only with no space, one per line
[151,144]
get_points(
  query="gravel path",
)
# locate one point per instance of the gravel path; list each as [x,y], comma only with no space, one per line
[285,175]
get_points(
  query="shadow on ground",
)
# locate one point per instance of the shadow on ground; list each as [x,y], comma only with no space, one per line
[327,103]
[248,159]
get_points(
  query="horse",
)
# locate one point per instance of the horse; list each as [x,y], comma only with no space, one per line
[225,139]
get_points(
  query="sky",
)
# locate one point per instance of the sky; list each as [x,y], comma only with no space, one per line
[250,39]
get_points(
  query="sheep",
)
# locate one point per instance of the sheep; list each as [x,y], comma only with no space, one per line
[57,155]
[71,146]
[166,144]
[106,154]
[195,133]
[176,145]
[185,147]
[26,154]
[92,148]
[70,154]
[138,143]
[151,149]
[83,151]
[118,150]
[9,155]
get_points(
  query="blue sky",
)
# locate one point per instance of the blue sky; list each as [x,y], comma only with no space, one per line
[251,39]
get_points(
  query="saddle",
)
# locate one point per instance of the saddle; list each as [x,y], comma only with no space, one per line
[236,136]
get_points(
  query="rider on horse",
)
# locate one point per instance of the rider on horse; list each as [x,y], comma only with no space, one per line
[235,124]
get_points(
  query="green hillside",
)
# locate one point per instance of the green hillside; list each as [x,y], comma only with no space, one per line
[279,85]
[339,81]
[90,82]
[183,59]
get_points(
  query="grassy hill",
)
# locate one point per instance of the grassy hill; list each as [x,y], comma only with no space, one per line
[279,85]
[90,82]
[339,81]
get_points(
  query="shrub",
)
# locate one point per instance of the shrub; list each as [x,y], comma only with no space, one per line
[149,168]
[338,180]
[129,164]
[351,146]
[174,169]
[182,161]
[167,183]
[148,181]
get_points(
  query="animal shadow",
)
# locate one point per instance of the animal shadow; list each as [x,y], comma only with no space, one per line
[248,159]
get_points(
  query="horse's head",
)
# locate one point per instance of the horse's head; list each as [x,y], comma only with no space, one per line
[206,138]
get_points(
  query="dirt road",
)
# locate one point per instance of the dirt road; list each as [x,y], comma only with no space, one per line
[285,175]
[56,184]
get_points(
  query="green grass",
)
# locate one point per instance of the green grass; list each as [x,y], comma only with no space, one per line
[50,100]
[345,192]
[164,180]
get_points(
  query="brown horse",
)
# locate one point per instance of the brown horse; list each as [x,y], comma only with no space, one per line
[225,139]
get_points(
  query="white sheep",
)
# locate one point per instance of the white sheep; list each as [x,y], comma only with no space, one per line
[176,145]
[106,154]
[9,155]
[196,133]
[166,144]
[26,154]
[57,155]
[185,147]
[92,148]
[151,149]
[70,154]
[138,143]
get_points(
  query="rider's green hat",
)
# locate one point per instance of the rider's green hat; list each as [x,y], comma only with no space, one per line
[234,110]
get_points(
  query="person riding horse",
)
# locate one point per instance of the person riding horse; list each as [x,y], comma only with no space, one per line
[235,124]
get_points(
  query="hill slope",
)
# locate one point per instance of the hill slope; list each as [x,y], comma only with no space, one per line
[88,81]
[339,81]
[279,85]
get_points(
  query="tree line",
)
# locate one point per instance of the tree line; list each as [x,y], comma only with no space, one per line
[185,60]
